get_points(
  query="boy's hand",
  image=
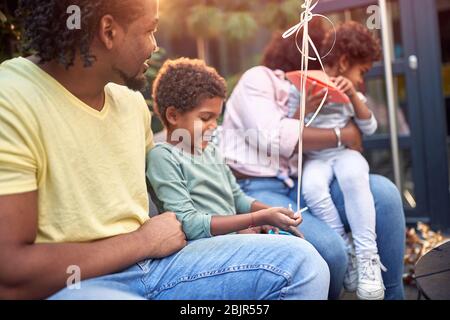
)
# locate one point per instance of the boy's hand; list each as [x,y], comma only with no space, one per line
[345,85]
[162,236]
[282,218]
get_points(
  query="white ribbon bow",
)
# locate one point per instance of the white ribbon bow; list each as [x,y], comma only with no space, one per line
[305,17]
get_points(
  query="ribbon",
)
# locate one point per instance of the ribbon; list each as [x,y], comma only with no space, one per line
[305,17]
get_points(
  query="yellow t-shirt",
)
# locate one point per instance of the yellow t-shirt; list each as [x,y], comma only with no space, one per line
[87,166]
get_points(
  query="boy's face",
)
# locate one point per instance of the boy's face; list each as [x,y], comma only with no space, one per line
[356,73]
[199,123]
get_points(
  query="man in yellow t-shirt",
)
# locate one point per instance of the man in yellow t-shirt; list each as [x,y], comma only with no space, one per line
[73,197]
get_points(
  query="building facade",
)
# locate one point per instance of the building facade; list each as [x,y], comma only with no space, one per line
[419,44]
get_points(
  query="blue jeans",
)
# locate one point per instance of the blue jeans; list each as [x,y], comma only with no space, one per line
[390,228]
[232,267]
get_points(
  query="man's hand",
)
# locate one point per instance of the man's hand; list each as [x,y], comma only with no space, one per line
[351,137]
[162,236]
[345,85]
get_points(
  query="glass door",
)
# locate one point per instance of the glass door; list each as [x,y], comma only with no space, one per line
[443,10]
[413,128]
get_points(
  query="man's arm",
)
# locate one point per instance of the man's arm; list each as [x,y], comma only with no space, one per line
[36,271]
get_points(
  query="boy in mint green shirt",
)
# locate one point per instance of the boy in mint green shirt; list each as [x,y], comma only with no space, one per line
[187,174]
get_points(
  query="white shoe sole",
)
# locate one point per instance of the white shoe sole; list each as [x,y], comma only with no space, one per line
[378,295]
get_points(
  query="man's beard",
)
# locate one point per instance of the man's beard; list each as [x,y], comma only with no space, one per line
[136,83]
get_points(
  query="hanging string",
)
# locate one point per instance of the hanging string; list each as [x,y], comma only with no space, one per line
[305,17]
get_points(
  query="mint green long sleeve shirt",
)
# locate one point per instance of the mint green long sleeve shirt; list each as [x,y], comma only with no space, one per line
[195,187]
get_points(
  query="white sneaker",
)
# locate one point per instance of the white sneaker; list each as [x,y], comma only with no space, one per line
[351,275]
[370,282]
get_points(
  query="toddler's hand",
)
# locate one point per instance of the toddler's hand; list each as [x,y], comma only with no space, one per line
[345,85]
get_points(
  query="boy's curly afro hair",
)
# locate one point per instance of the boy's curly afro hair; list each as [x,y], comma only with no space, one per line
[354,41]
[183,84]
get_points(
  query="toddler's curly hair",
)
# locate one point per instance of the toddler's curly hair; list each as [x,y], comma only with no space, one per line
[354,41]
[184,83]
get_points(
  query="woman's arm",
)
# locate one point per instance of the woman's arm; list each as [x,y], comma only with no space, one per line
[318,139]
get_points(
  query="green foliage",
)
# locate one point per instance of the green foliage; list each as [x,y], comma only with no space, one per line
[240,26]
[232,19]
[278,16]
[205,21]
[156,63]
[232,81]
[174,14]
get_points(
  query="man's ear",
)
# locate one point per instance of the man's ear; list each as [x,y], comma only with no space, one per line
[172,116]
[107,31]
[344,64]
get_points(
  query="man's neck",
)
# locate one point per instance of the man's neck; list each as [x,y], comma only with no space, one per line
[87,84]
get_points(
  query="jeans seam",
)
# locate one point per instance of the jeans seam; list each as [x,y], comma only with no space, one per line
[283,292]
[240,268]
[146,287]
[145,268]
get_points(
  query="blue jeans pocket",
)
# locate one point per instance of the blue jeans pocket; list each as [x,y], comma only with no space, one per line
[144,265]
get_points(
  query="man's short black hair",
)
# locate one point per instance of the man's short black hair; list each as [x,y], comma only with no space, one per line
[46,32]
